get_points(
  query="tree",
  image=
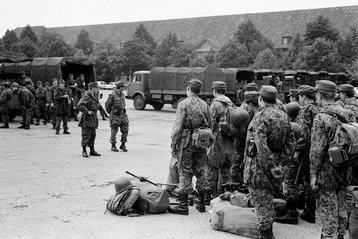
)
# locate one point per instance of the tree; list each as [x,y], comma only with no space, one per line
[104,55]
[233,54]
[28,33]
[53,45]
[320,28]
[348,47]
[142,34]
[247,33]
[165,48]
[198,62]
[265,60]
[322,55]
[84,42]
[181,56]
[27,46]
[210,57]
[10,38]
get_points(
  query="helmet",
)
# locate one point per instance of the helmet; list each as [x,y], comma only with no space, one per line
[239,117]
[292,109]
[122,184]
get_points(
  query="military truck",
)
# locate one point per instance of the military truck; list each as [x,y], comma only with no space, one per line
[167,85]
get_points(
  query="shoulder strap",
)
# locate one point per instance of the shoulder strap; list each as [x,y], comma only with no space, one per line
[335,115]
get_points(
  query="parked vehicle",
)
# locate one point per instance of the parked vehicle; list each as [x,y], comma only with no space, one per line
[111,85]
[102,85]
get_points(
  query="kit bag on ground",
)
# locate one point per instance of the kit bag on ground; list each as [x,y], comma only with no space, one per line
[156,198]
[234,219]
[121,203]
[343,150]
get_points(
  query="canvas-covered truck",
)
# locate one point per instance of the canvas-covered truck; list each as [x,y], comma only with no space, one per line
[167,85]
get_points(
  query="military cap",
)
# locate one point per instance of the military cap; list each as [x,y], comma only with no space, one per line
[268,92]
[346,88]
[61,81]
[15,84]
[306,90]
[251,96]
[195,84]
[251,87]
[292,109]
[219,85]
[119,84]
[92,85]
[325,85]
[293,93]
[39,82]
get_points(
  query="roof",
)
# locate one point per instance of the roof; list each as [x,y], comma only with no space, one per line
[53,61]
[216,44]
[13,57]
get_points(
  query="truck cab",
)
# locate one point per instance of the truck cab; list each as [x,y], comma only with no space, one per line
[138,89]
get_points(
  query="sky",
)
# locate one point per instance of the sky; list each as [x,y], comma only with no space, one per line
[57,13]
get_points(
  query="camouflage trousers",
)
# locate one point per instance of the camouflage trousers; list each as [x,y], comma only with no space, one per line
[114,130]
[331,209]
[237,168]
[88,136]
[262,200]
[26,116]
[173,175]
[53,116]
[64,120]
[192,163]
[41,111]
[217,176]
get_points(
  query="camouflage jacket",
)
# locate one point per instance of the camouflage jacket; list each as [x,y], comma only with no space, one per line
[61,102]
[251,110]
[352,104]
[41,94]
[192,113]
[269,143]
[26,98]
[115,106]
[323,132]
[50,97]
[305,121]
[89,102]
[5,97]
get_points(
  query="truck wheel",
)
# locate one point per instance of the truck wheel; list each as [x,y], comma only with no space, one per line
[139,103]
[175,105]
[158,106]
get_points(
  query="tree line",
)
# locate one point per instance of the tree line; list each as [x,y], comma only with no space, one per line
[321,48]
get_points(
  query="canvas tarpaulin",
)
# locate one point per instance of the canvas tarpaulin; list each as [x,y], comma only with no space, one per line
[13,57]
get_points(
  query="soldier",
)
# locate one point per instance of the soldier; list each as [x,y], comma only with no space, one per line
[48,108]
[301,157]
[251,104]
[62,110]
[5,97]
[27,101]
[327,181]
[89,105]
[192,113]
[293,95]
[50,99]
[116,107]
[269,143]
[347,95]
[40,103]
[220,154]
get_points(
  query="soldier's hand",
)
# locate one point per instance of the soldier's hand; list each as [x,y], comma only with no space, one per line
[277,172]
[314,185]
[90,112]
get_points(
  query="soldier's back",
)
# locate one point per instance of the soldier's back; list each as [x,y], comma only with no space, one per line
[197,112]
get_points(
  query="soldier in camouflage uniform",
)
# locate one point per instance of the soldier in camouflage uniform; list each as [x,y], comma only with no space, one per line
[50,99]
[269,143]
[89,105]
[116,107]
[327,181]
[192,113]
[5,97]
[27,102]
[293,95]
[62,110]
[40,103]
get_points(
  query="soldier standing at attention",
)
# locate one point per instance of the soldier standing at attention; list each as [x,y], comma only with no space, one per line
[62,109]
[327,181]
[5,97]
[192,113]
[116,107]
[269,144]
[89,105]
[40,108]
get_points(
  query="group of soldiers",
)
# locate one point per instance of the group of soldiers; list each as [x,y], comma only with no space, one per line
[275,149]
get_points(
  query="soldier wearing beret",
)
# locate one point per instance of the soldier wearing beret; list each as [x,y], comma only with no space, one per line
[89,105]
[40,102]
[220,154]
[116,107]
[269,144]
[62,109]
[192,113]
[328,182]
[5,97]
[293,95]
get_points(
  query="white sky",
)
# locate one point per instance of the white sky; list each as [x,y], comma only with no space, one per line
[55,13]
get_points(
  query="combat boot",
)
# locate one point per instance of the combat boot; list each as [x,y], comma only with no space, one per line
[37,122]
[5,126]
[309,213]
[207,197]
[27,126]
[93,152]
[291,216]
[21,126]
[66,132]
[123,147]
[266,233]
[201,202]
[182,208]
[84,152]
[114,148]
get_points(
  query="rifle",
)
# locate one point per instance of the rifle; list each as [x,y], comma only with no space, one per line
[298,173]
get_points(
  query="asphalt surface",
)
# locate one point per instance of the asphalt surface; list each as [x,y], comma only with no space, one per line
[48,190]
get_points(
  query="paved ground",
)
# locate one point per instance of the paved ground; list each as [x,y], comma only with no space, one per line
[47,190]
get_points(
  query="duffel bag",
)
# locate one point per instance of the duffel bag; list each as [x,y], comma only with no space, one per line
[234,219]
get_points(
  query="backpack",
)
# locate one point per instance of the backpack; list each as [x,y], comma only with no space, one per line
[226,126]
[121,203]
[343,149]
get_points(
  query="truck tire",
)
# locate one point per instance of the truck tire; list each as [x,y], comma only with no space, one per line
[175,105]
[139,103]
[158,106]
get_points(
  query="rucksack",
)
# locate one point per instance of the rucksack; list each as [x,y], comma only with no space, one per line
[343,149]
[226,126]
[121,203]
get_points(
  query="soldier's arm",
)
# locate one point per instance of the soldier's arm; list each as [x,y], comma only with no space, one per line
[319,143]
[109,102]
[81,106]
[304,120]
[265,154]
[178,124]
[213,116]
[290,145]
